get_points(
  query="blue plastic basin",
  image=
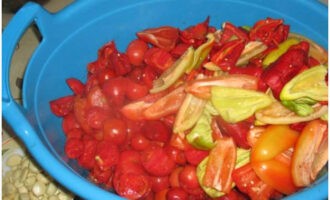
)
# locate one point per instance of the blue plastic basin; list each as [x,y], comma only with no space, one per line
[71,38]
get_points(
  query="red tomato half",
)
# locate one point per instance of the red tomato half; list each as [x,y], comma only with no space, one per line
[135,51]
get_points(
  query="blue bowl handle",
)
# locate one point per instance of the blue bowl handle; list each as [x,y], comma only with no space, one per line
[11,111]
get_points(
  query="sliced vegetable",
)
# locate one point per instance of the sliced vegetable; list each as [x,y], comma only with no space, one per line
[164,37]
[188,114]
[248,182]
[202,87]
[172,74]
[250,50]
[315,51]
[272,141]
[235,104]
[202,52]
[277,113]
[304,159]
[220,165]
[169,104]
[200,136]
[242,158]
[281,49]
[309,83]
[277,174]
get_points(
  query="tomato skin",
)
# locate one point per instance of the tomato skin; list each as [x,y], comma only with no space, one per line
[99,176]
[87,158]
[176,154]
[115,89]
[104,75]
[69,122]
[62,106]
[135,51]
[188,178]
[75,133]
[156,130]
[277,174]
[73,148]
[139,142]
[106,155]
[274,140]
[95,117]
[156,161]
[135,90]
[174,177]
[159,183]
[114,130]
[195,156]
[176,193]
[132,186]
[76,86]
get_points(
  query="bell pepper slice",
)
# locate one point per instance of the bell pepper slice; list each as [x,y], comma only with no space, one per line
[202,87]
[280,50]
[220,165]
[235,104]
[306,150]
[200,136]
[277,113]
[173,73]
[251,49]
[309,83]
[202,52]
[188,114]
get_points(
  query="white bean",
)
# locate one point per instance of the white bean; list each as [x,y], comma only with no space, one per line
[53,197]
[34,168]
[38,188]
[9,189]
[42,178]
[14,160]
[51,189]
[24,196]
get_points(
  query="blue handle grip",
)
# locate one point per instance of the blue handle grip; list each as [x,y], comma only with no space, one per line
[11,111]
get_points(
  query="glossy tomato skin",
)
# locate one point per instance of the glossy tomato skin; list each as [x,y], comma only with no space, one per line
[176,194]
[159,183]
[76,86]
[115,131]
[73,148]
[135,51]
[62,106]
[106,155]
[157,162]
[139,142]
[87,158]
[195,156]
[69,122]
[176,154]
[156,130]
[115,90]
[135,90]
[188,180]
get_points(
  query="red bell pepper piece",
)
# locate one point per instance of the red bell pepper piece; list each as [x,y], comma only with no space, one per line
[164,37]
[230,31]
[228,54]
[269,31]
[286,67]
[195,35]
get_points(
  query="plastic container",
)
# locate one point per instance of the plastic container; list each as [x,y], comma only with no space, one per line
[71,38]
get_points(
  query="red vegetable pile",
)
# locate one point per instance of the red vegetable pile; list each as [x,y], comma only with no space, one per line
[123,134]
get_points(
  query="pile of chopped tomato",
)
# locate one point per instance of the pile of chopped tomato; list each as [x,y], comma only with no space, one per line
[169,117]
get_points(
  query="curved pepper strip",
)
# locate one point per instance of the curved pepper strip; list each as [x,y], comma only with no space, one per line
[173,73]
